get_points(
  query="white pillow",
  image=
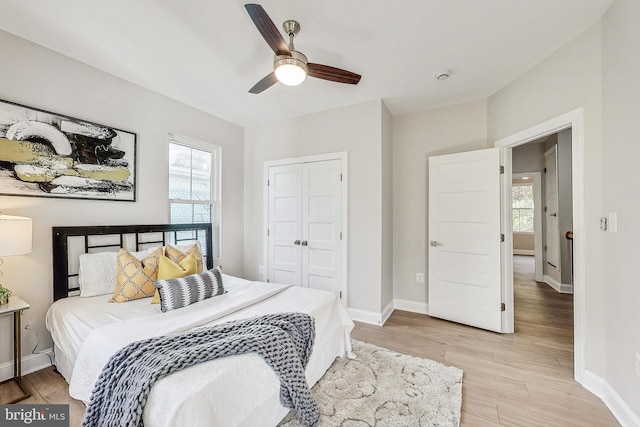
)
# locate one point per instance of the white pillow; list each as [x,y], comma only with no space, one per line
[97,272]
[184,246]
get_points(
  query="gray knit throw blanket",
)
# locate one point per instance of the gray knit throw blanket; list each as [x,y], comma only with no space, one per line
[285,342]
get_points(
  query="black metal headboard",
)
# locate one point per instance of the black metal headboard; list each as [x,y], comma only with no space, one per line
[104,237]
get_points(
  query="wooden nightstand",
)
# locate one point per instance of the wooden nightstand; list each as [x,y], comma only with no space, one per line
[16,305]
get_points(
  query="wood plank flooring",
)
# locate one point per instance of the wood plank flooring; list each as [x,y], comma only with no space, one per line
[522,379]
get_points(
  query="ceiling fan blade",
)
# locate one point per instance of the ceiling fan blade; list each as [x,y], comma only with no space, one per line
[264,84]
[268,29]
[334,74]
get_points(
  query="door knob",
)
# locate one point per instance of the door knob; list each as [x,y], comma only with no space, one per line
[305,243]
[296,242]
[435,243]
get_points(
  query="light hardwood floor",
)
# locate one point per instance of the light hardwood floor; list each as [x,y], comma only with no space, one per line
[521,379]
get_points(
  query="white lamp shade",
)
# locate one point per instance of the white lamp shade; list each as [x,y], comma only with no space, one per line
[290,74]
[15,235]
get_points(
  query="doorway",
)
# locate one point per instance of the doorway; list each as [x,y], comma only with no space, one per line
[574,121]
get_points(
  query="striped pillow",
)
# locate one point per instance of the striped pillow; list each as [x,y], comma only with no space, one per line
[181,292]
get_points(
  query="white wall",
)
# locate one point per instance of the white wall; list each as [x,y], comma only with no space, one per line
[621,143]
[528,158]
[387,210]
[41,78]
[264,142]
[356,129]
[416,137]
[568,79]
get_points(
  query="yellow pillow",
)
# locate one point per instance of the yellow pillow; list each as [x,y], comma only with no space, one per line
[134,278]
[168,269]
[176,255]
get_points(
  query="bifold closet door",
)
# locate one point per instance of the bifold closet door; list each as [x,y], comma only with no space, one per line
[321,225]
[305,224]
[285,224]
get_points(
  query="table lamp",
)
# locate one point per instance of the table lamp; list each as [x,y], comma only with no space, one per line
[15,239]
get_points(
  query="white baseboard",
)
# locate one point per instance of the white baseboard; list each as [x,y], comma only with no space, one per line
[618,407]
[379,319]
[563,288]
[412,306]
[365,316]
[524,252]
[387,312]
[30,363]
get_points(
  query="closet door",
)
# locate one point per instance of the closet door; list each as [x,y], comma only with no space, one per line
[305,224]
[285,224]
[321,225]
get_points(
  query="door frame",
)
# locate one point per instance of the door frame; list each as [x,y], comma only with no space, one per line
[575,120]
[537,220]
[344,157]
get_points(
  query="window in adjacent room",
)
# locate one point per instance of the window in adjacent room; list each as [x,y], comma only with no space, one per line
[522,204]
[194,184]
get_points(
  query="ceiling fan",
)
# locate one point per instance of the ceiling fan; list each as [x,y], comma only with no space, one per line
[290,66]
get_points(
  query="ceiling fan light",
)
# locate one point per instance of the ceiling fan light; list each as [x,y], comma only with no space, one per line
[290,70]
[290,74]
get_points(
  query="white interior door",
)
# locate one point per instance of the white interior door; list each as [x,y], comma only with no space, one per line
[464,238]
[322,225]
[285,224]
[551,215]
[305,224]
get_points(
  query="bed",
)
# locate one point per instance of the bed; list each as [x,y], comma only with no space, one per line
[232,391]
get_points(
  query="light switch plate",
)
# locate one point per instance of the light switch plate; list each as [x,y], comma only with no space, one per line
[613,222]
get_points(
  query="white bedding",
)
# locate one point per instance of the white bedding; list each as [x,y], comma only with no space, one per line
[236,390]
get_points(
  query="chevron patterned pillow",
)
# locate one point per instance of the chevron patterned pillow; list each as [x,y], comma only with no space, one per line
[184,291]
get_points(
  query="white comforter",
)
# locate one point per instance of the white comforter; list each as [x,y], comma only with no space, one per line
[236,390]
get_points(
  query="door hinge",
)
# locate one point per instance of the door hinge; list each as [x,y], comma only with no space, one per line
[545,170]
[503,307]
[545,209]
[502,237]
[341,235]
[501,170]
[267,231]
[268,182]
[340,177]
[340,294]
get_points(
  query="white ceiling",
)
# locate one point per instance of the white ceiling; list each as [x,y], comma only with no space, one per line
[207,53]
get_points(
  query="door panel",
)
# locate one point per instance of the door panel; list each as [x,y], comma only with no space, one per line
[285,225]
[551,215]
[322,217]
[464,235]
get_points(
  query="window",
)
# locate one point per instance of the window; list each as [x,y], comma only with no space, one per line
[194,184]
[522,203]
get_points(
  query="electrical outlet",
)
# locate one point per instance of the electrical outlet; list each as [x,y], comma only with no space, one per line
[603,223]
[260,269]
[637,363]
[420,277]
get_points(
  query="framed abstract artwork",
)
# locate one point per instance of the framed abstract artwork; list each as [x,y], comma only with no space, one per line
[44,154]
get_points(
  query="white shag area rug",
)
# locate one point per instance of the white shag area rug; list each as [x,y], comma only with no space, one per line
[383,388]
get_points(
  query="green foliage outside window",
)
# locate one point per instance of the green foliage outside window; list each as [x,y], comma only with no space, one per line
[522,204]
